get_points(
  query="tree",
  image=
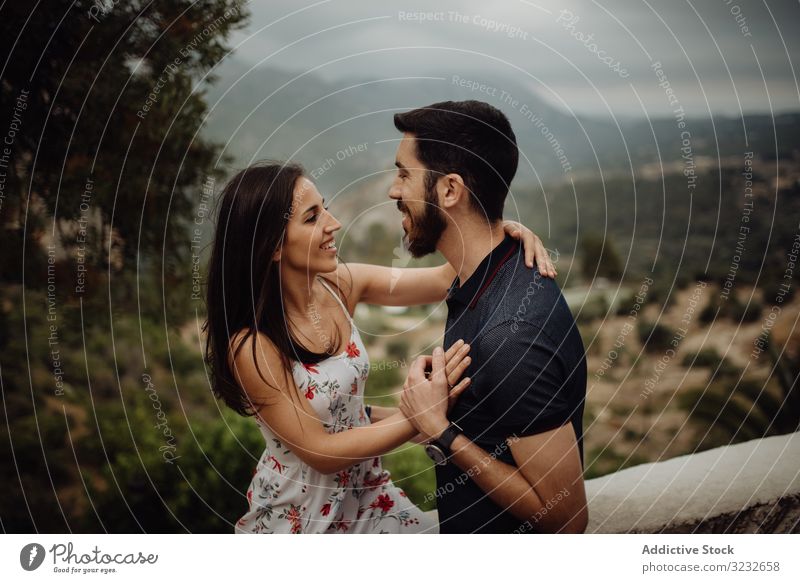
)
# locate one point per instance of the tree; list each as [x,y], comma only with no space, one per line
[735,409]
[101,104]
[107,103]
[600,257]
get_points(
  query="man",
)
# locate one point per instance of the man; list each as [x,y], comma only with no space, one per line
[510,453]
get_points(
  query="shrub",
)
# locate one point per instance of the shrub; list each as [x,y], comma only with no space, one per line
[740,312]
[412,470]
[705,357]
[654,337]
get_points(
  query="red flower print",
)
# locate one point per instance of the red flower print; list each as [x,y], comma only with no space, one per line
[312,368]
[326,509]
[311,390]
[379,480]
[294,518]
[250,496]
[344,478]
[354,388]
[403,494]
[352,350]
[384,502]
[276,465]
[343,525]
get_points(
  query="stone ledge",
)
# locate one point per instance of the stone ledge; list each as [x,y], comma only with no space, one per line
[744,488]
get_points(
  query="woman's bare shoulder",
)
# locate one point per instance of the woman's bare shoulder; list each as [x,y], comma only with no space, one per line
[253,352]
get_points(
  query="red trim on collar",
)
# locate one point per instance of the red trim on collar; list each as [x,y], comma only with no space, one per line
[492,276]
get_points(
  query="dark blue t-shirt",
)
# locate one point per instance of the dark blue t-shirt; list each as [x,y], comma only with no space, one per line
[528,375]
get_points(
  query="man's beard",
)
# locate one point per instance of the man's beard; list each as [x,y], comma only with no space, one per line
[427,229]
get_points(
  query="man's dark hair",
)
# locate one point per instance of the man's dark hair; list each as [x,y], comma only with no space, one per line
[469,138]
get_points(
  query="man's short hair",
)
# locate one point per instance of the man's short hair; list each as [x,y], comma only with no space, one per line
[469,138]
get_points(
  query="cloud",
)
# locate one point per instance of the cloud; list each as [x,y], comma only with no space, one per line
[711,51]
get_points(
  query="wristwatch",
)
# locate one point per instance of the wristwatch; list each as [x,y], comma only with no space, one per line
[439,449]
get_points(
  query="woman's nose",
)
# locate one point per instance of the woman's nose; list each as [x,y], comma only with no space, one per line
[333,225]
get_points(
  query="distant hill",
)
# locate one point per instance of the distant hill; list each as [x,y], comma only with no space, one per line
[269,113]
[343,133]
[313,119]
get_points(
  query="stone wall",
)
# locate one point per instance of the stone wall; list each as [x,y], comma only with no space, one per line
[745,488]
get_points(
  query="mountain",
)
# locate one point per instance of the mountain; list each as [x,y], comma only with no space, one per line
[342,132]
[269,113]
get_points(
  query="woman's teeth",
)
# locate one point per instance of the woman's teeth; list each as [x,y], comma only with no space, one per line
[327,246]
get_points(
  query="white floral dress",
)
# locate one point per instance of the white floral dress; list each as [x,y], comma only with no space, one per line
[286,495]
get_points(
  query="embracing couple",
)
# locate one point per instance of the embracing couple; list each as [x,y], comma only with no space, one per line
[498,408]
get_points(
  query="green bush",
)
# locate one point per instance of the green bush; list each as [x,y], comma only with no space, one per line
[740,312]
[138,489]
[625,305]
[413,471]
[709,312]
[381,383]
[725,369]
[706,357]
[593,308]
[654,337]
[397,349]
[731,308]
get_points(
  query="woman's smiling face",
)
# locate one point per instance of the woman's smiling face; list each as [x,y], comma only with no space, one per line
[309,243]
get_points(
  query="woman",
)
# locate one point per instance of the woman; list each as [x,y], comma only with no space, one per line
[283,348]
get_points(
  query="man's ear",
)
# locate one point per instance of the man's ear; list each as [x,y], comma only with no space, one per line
[451,190]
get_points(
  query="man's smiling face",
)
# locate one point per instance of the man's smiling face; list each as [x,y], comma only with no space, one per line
[415,193]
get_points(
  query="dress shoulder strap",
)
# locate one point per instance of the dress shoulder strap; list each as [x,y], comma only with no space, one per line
[336,297]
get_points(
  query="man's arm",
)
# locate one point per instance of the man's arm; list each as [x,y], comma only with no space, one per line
[525,394]
[548,474]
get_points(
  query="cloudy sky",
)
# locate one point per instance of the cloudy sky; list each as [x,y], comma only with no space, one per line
[723,56]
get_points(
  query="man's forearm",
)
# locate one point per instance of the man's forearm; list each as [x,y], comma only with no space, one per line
[502,482]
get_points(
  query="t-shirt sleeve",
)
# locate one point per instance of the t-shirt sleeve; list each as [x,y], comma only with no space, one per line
[523,379]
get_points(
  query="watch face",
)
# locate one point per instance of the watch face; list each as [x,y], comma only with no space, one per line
[436,454]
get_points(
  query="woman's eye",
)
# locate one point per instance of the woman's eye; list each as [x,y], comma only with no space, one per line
[313,218]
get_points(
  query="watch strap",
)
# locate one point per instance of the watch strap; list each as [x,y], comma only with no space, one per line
[445,440]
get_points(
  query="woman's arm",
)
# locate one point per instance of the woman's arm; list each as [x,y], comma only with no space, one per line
[289,414]
[394,286]
[379,413]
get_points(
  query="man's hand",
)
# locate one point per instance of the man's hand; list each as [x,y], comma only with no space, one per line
[425,400]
